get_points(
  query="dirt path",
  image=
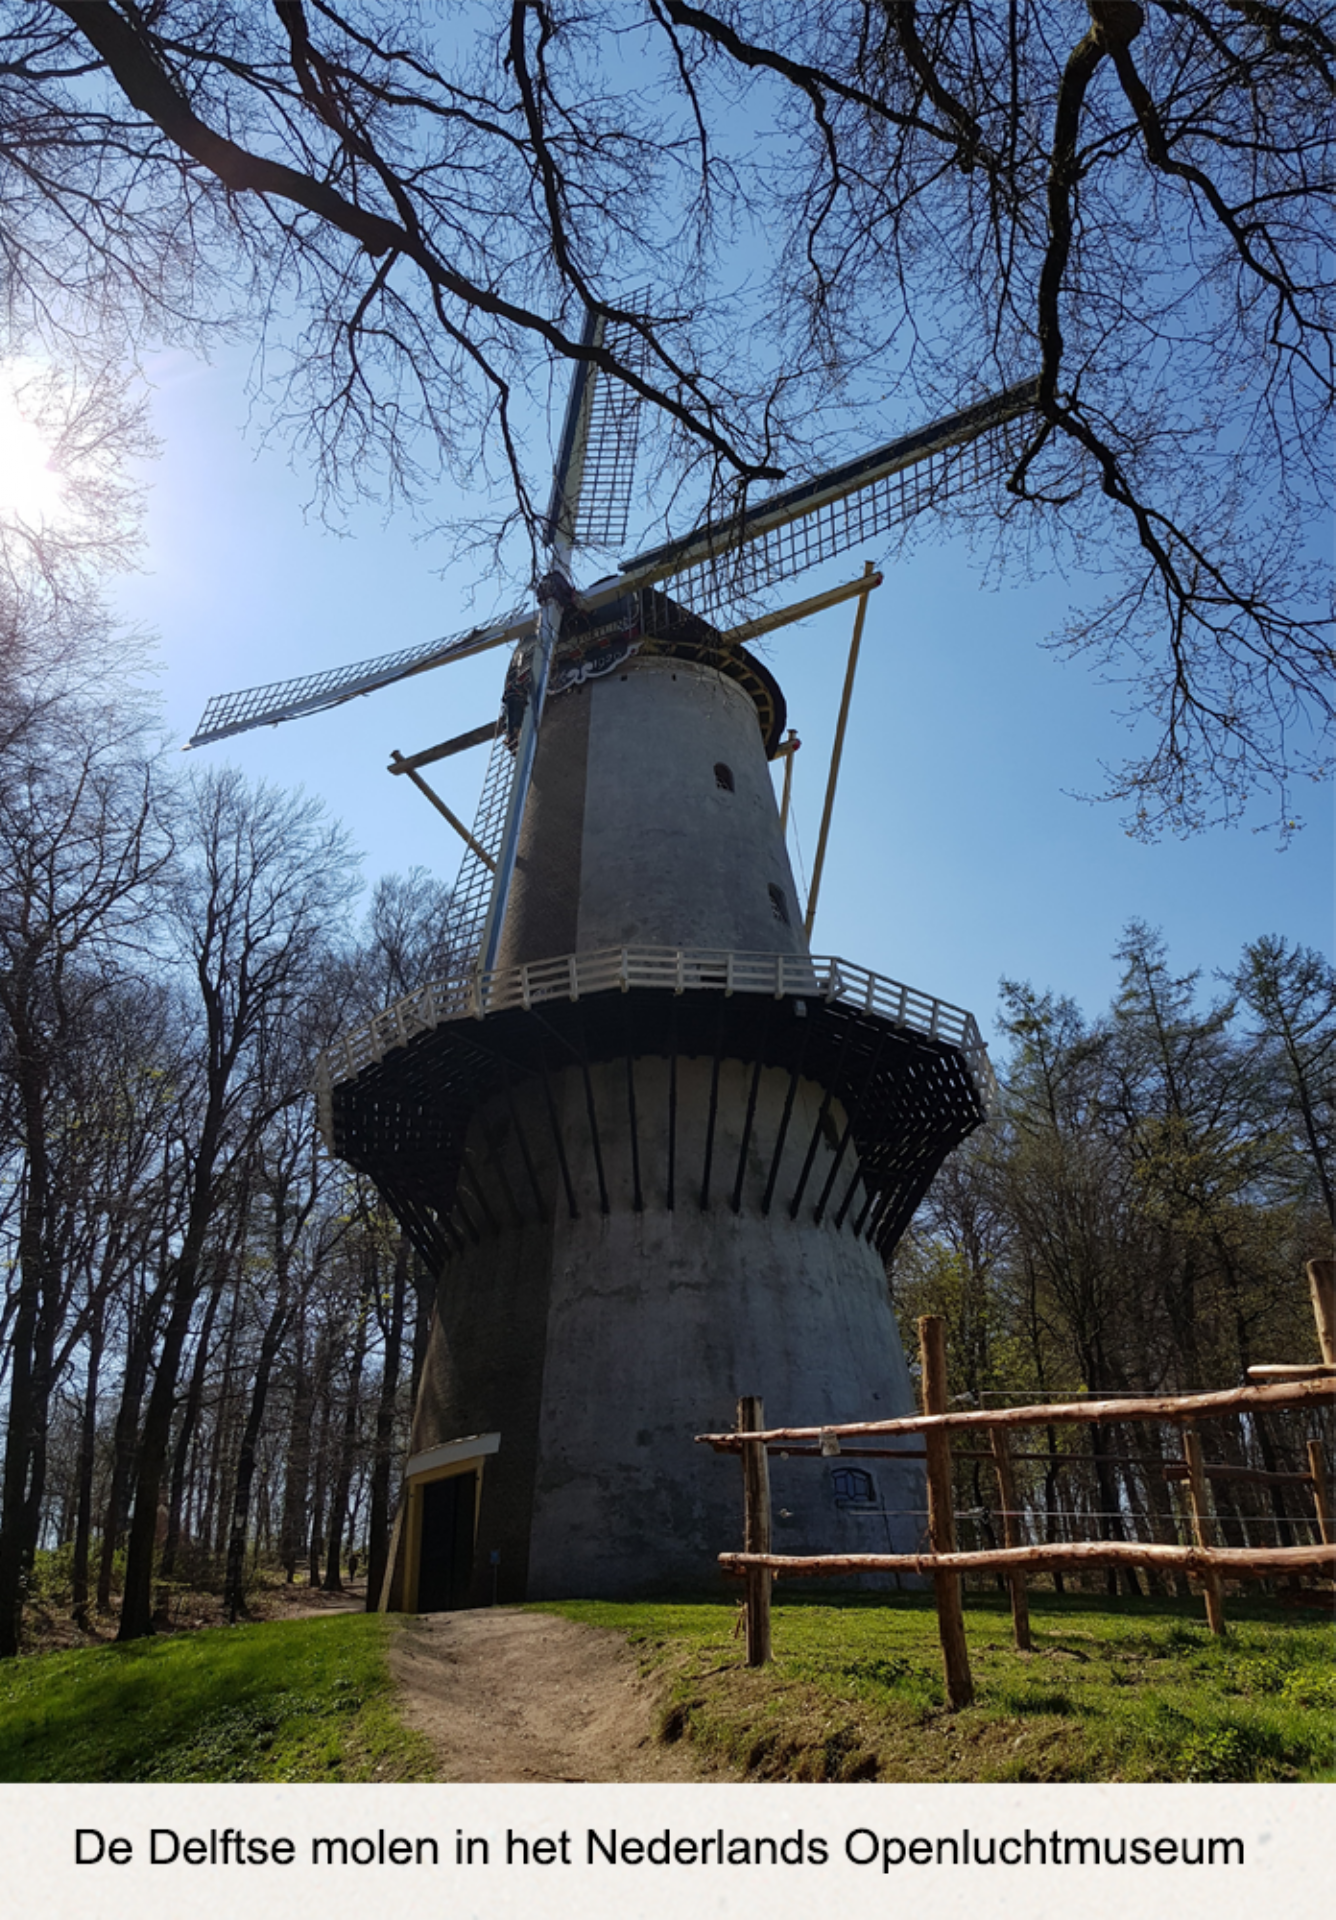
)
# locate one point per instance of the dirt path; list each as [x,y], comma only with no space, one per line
[503,1695]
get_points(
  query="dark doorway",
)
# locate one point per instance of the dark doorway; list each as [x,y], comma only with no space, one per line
[445,1563]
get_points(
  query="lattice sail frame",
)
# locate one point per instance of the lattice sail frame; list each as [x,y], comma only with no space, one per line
[732,560]
[612,435]
[229,713]
[717,587]
[471,894]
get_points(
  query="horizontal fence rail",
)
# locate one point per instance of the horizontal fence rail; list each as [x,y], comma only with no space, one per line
[672,969]
[1068,1556]
[1182,1406]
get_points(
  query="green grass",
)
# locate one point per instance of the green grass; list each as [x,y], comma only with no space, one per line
[286,1700]
[1135,1690]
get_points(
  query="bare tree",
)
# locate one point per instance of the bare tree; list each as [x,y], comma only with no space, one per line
[1132,202]
[294,1180]
[87,423]
[80,849]
[263,878]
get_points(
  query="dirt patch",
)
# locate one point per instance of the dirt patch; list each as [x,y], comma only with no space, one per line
[504,1695]
[308,1603]
[48,1627]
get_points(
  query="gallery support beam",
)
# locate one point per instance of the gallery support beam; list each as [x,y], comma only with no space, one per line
[871,578]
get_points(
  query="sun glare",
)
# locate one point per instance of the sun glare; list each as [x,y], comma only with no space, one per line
[29,490]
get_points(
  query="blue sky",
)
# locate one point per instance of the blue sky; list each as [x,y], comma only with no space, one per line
[958,854]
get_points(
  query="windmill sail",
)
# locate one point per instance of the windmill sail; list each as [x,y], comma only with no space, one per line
[612,433]
[229,713]
[733,559]
[471,894]
[725,561]
[555,593]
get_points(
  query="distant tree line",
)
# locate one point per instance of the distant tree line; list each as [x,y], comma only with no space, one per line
[210,1328]
[1137,1219]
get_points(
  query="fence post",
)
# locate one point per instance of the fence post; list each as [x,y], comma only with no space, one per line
[941,1521]
[756,1529]
[1322,1286]
[1012,1537]
[1210,1580]
[1318,1475]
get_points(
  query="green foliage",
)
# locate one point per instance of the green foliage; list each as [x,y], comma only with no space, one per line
[292,1700]
[51,1578]
[1136,1691]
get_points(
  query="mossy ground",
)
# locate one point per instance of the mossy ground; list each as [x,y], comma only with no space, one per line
[283,1700]
[1126,1690]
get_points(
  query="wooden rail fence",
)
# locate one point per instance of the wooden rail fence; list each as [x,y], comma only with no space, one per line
[945,1563]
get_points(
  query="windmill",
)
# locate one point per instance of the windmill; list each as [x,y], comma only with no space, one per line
[655,1149]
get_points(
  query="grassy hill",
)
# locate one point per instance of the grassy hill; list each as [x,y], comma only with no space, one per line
[1129,1690]
[280,1700]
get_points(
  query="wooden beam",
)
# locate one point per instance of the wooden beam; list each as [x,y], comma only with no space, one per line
[786,752]
[1247,1563]
[1251,1476]
[756,1532]
[941,1517]
[405,763]
[441,808]
[1322,1286]
[1318,1473]
[1180,1406]
[802,610]
[877,1453]
[869,580]
[1011,1533]
[1321,1370]
[1201,1518]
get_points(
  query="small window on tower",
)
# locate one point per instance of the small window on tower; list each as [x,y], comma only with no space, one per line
[853,1487]
[723,777]
[779,906]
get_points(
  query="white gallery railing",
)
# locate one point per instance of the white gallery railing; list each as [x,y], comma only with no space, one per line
[679,969]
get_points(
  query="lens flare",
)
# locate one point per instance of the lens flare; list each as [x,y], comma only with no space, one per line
[30,490]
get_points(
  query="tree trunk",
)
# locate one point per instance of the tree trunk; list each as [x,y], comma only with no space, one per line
[83,1518]
[315,1543]
[185,1435]
[222,1470]
[235,1580]
[297,1477]
[137,1604]
[338,1508]
[1052,1480]
[17,1539]
[126,1442]
[378,1528]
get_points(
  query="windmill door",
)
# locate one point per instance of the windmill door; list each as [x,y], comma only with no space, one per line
[445,1563]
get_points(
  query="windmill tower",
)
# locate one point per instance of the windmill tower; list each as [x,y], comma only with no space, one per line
[655,1149]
